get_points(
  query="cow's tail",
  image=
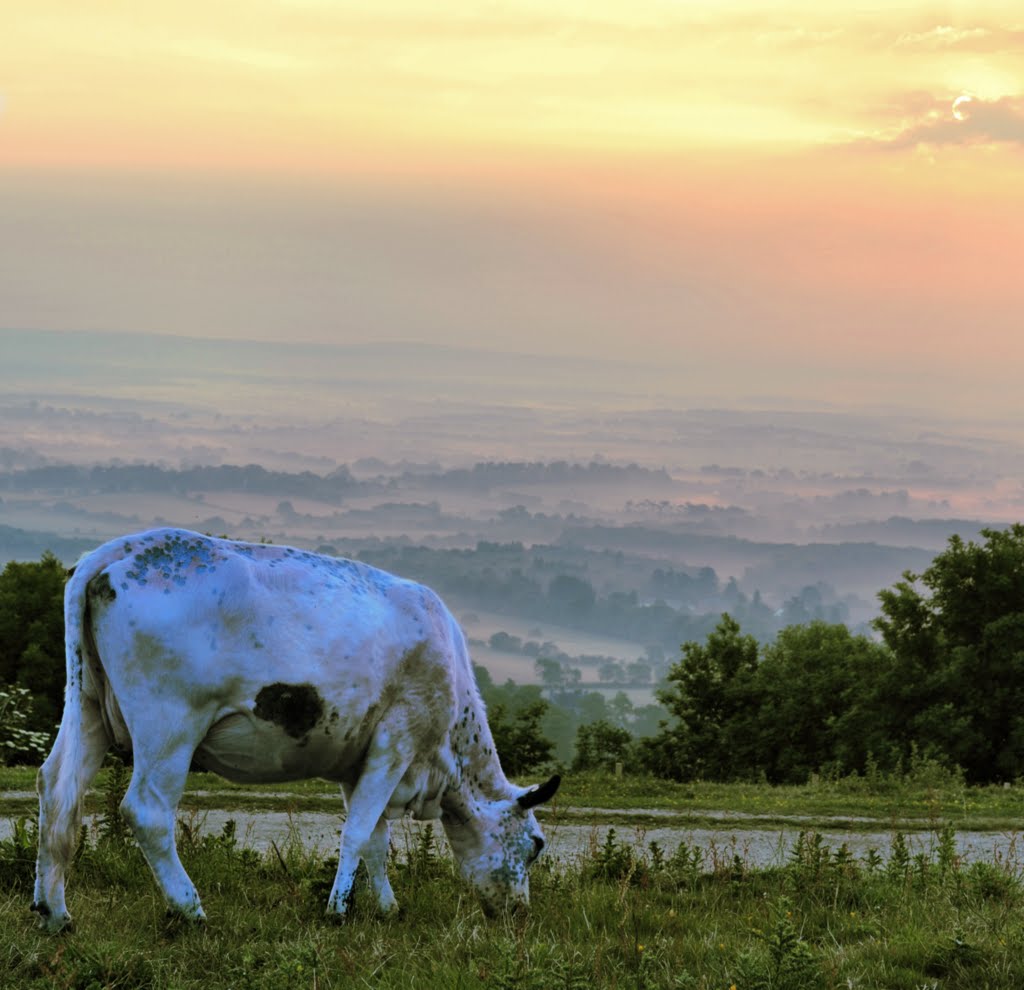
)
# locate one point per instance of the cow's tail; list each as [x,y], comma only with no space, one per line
[78,751]
[81,739]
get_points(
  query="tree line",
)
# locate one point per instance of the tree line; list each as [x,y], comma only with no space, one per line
[944,681]
[331,487]
[941,678]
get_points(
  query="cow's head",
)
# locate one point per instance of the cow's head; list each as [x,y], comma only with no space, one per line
[496,849]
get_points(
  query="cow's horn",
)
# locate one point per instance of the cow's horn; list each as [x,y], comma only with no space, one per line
[545,792]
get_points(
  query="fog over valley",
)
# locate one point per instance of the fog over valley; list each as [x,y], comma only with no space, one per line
[585,510]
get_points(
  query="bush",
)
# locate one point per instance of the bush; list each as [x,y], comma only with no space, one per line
[19,744]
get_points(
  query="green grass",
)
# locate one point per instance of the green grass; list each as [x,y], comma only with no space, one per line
[661,919]
[922,798]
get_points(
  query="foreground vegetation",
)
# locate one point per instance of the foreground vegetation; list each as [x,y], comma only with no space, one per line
[684,918]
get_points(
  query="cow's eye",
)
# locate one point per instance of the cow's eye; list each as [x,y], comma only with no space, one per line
[538,845]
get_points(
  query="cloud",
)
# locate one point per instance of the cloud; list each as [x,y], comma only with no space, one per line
[931,123]
[946,38]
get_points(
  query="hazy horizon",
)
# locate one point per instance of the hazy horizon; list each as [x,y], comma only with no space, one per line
[738,205]
[90,398]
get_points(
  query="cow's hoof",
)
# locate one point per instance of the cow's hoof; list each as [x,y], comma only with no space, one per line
[339,909]
[51,923]
[178,921]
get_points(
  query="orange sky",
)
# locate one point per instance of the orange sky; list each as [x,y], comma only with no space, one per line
[754,193]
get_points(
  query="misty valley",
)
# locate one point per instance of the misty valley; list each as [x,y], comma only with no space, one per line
[578,578]
[577,572]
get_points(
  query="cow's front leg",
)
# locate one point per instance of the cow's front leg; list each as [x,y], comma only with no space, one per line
[366,832]
[375,859]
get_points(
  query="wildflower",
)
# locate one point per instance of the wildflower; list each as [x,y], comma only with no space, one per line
[640,948]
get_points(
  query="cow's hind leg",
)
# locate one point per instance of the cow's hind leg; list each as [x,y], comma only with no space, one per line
[149,806]
[366,831]
[62,782]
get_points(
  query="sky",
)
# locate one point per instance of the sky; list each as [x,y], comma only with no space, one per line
[755,203]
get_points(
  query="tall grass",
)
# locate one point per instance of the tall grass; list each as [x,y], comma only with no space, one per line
[689,918]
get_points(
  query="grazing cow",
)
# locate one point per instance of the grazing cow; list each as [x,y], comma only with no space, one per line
[267,663]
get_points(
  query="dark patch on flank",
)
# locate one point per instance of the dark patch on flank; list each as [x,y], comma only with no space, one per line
[149,650]
[294,707]
[101,591]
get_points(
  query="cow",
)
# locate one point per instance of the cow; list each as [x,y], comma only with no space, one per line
[267,663]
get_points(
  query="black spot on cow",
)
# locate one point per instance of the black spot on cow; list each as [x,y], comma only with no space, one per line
[294,707]
[101,591]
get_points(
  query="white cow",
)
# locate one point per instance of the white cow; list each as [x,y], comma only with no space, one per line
[267,663]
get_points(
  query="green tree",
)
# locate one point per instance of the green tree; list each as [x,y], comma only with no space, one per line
[620,709]
[522,746]
[549,671]
[32,635]
[956,632]
[710,692]
[600,745]
[817,685]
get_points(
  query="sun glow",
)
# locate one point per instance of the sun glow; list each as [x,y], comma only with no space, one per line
[775,180]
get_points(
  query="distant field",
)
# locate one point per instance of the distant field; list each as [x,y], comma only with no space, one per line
[482,625]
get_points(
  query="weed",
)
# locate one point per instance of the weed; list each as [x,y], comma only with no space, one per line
[113,829]
[782,961]
[685,866]
[616,861]
[18,854]
[898,867]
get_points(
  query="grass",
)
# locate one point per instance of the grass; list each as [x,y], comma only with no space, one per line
[918,799]
[658,919]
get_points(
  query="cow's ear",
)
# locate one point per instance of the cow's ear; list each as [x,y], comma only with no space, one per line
[545,792]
